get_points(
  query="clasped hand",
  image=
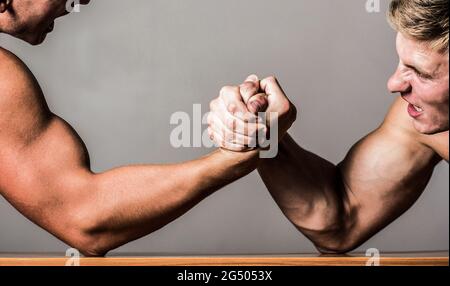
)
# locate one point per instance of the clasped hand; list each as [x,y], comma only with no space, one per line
[243,115]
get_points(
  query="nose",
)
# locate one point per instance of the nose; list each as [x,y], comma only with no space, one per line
[398,83]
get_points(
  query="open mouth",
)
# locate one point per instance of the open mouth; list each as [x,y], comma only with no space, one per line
[417,108]
[413,110]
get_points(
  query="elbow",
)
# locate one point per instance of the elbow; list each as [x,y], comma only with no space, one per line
[335,247]
[83,233]
[87,245]
[339,234]
[330,236]
[337,242]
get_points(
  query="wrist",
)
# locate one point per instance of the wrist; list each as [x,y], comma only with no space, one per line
[240,156]
[246,160]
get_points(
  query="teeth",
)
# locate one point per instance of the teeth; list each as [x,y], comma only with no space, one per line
[418,108]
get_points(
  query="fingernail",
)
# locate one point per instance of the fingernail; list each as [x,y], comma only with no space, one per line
[252,78]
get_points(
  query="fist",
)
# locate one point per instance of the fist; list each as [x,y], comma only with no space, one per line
[234,123]
[280,109]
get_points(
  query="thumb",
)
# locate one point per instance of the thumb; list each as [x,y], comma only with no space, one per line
[275,94]
[258,103]
[253,79]
[249,88]
[272,88]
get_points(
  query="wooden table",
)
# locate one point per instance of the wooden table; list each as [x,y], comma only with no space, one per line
[355,259]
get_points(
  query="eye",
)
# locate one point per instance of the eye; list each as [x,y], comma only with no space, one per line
[418,73]
[422,75]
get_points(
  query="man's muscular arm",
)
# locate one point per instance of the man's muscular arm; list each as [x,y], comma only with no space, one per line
[339,207]
[45,174]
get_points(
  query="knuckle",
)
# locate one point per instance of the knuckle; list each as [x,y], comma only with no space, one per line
[210,118]
[285,106]
[224,91]
[232,108]
[210,134]
[271,79]
[213,104]
[235,92]
[230,94]
[229,90]
[230,123]
[248,86]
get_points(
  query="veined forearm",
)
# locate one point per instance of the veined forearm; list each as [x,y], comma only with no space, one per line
[307,188]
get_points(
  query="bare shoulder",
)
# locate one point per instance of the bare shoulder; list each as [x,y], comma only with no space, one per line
[15,77]
[398,121]
[23,110]
[12,68]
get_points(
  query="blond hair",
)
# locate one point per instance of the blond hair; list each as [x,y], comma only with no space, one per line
[423,20]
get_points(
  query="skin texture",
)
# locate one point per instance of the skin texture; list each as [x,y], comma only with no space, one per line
[44,165]
[45,174]
[31,20]
[23,20]
[422,80]
[339,207]
[45,171]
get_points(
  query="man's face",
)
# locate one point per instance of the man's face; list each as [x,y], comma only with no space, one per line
[34,19]
[422,80]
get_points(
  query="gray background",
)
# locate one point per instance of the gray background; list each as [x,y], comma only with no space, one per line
[118,70]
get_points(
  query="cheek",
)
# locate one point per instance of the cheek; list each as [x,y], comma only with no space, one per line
[36,21]
[437,106]
[429,93]
[45,13]
[439,98]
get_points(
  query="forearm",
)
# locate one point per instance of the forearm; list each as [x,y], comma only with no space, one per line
[130,202]
[340,207]
[49,181]
[308,189]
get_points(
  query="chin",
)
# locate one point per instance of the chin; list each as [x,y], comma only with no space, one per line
[35,39]
[36,42]
[430,129]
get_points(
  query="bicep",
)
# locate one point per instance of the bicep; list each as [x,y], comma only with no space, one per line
[37,148]
[44,166]
[45,178]
[384,175]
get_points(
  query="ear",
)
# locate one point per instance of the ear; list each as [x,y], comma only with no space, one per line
[4,5]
